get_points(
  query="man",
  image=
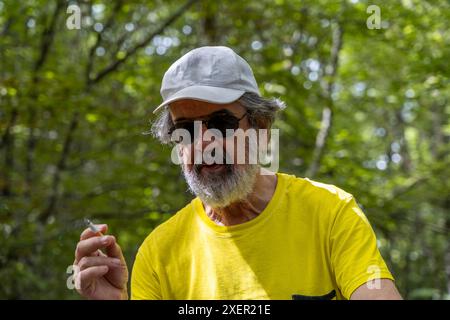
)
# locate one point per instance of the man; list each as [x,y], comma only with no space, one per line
[250,233]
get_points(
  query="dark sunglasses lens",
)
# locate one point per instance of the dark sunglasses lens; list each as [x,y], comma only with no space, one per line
[222,123]
[181,136]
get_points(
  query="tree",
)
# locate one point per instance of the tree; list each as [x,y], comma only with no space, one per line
[367,110]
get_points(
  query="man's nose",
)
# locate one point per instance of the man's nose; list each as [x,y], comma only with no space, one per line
[202,140]
[199,143]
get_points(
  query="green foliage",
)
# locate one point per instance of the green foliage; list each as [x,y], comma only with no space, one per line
[72,142]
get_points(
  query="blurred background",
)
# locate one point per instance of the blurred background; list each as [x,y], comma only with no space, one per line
[367,110]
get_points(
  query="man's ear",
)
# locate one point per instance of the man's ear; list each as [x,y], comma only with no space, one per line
[266,137]
[265,125]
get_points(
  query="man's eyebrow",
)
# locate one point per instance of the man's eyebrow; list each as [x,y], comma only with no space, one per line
[202,117]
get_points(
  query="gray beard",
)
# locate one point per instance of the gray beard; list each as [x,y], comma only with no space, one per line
[219,190]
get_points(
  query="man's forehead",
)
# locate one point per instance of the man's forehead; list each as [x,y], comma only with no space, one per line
[195,108]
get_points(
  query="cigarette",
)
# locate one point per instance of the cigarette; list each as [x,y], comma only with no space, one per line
[93,227]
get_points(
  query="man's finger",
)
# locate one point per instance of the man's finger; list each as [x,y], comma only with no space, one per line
[89,246]
[88,233]
[86,277]
[113,249]
[87,262]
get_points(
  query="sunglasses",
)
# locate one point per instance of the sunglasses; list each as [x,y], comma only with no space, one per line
[220,120]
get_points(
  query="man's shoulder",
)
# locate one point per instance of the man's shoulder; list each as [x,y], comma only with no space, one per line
[313,189]
[316,201]
[171,227]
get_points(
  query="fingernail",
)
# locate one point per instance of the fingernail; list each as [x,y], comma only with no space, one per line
[104,239]
[116,261]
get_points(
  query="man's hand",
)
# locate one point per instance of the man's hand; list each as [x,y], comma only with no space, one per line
[385,291]
[101,275]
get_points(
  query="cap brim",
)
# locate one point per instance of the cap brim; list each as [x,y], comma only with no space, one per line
[204,93]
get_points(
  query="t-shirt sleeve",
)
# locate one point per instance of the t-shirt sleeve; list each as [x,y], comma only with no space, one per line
[145,283]
[355,256]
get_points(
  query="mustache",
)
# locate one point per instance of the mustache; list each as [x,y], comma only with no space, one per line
[225,162]
[198,167]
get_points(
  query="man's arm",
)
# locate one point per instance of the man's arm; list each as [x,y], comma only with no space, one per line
[377,289]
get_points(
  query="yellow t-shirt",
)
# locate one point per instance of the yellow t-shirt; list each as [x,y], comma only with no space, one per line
[310,240]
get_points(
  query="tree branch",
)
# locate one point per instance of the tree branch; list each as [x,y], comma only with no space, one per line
[8,143]
[59,169]
[114,65]
[6,26]
[46,41]
[327,113]
[53,198]
[108,24]
[47,37]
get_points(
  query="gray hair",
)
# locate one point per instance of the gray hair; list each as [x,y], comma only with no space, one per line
[261,115]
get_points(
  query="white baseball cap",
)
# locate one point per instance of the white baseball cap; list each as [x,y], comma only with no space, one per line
[211,74]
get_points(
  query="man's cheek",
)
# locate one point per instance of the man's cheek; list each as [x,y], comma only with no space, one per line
[186,156]
[236,151]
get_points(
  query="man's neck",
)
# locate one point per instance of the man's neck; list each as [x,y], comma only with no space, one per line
[251,207]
